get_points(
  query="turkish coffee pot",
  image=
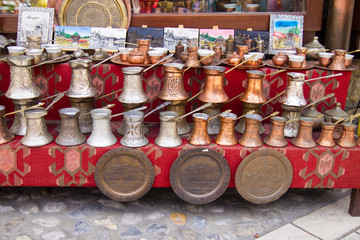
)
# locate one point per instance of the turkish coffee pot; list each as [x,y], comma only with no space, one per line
[70,133]
[5,135]
[101,135]
[168,135]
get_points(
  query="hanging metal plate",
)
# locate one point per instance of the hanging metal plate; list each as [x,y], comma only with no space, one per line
[200,175]
[263,176]
[124,174]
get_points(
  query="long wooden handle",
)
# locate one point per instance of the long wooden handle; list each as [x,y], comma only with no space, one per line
[280,71]
[195,96]
[22,110]
[251,57]
[198,62]
[158,62]
[53,96]
[228,101]
[352,117]
[271,115]
[58,97]
[157,108]
[106,59]
[274,98]
[250,112]
[211,118]
[49,61]
[109,94]
[196,110]
[312,79]
[136,109]
[319,100]
[354,51]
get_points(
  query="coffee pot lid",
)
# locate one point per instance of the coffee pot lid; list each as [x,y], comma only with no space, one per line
[336,111]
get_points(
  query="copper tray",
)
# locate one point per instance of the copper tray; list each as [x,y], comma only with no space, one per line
[200,175]
[117,60]
[124,174]
[310,65]
[263,176]
[244,67]
[95,13]
[350,68]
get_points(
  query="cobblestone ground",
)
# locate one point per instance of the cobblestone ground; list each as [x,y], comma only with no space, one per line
[84,213]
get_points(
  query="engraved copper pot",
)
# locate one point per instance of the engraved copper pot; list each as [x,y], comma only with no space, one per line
[253,92]
[70,134]
[304,138]
[347,138]
[294,95]
[276,137]
[311,112]
[226,136]
[134,135]
[242,51]
[179,107]
[179,48]
[33,42]
[193,58]
[19,125]
[81,85]
[213,91]
[133,95]
[301,51]
[22,85]
[85,105]
[251,137]
[144,45]
[335,112]
[213,126]
[338,62]
[168,135]
[173,87]
[247,107]
[326,137]
[37,134]
[5,134]
[291,114]
[101,135]
[199,135]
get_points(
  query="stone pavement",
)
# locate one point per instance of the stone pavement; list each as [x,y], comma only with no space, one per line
[84,213]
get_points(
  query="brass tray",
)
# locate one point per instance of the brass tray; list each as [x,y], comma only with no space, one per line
[310,65]
[95,13]
[350,68]
[117,60]
[244,67]
[124,174]
[263,176]
[200,175]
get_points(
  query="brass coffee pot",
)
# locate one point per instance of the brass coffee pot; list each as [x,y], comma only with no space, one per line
[251,136]
[70,133]
[5,134]
[226,136]
[168,135]
[199,135]
[134,135]
[276,136]
[294,94]
[101,135]
[304,138]
[179,107]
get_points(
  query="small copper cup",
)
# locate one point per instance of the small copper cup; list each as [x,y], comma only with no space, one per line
[304,138]
[252,62]
[326,137]
[199,135]
[347,138]
[348,59]
[296,61]
[325,59]
[155,56]
[124,55]
[251,137]
[276,136]
[226,136]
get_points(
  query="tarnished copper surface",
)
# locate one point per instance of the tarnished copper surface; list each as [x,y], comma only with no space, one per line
[338,60]
[304,138]
[292,115]
[199,135]
[335,112]
[294,95]
[253,92]
[226,136]
[179,107]
[173,87]
[247,107]
[70,134]
[168,135]
[213,126]
[136,57]
[213,91]
[241,51]
[263,176]
[313,113]
[200,175]
[85,105]
[124,174]
[234,59]
[101,135]
[301,51]
[179,48]
[5,134]
[276,136]
[326,137]
[347,138]
[144,45]
[192,59]
[280,59]
[251,137]
[19,125]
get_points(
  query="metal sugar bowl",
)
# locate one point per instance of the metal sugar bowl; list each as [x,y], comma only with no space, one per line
[70,133]
[101,135]
[134,135]
[168,135]
[82,92]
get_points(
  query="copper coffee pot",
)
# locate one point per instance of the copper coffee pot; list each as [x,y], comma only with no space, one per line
[338,61]
[5,134]
[173,87]
[226,136]
[193,57]
[199,135]
[276,136]
[326,137]
[304,138]
[347,138]
[251,137]
[241,51]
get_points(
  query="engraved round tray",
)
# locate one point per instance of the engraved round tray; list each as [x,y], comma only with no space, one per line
[124,174]
[263,176]
[200,175]
[95,13]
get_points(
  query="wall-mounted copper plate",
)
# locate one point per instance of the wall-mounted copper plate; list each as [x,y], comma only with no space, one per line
[200,175]
[124,174]
[263,176]
[95,13]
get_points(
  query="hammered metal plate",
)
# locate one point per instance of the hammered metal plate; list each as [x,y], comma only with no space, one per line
[200,175]
[95,13]
[124,174]
[263,176]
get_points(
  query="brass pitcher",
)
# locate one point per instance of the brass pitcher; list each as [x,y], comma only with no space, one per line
[347,138]
[326,137]
[213,126]
[37,134]
[179,107]
[144,46]
[101,135]
[133,95]
[338,61]
[226,136]
[247,107]
[253,92]
[5,134]
[134,135]
[193,57]
[199,135]
[276,137]
[294,94]
[304,138]
[70,134]
[173,87]
[251,137]
[168,135]
[19,125]
[292,115]
[213,91]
